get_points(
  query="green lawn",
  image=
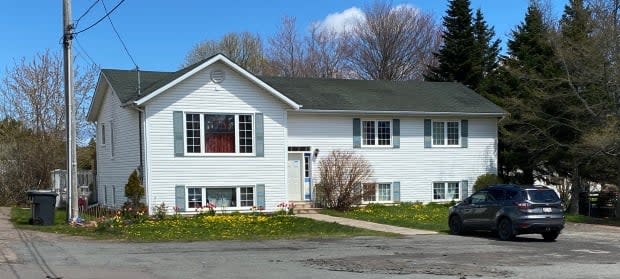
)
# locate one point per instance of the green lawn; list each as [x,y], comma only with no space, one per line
[591,220]
[218,227]
[431,216]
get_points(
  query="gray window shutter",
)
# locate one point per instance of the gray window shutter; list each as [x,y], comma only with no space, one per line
[396,133]
[260,195]
[464,132]
[464,190]
[259,124]
[177,126]
[179,197]
[396,191]
[357,133]
[427,133]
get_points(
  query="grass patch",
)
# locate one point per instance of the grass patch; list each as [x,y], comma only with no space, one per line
[431,216]
[575,218]
[204,227]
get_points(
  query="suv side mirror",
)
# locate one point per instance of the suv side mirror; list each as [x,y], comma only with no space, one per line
[467,201]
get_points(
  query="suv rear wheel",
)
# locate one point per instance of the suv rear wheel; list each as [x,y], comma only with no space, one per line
[550,236]
[456,225]
[505,230]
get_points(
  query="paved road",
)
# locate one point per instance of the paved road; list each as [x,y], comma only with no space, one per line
[581,252]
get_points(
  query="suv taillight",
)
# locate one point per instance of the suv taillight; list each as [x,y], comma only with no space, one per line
[522,206]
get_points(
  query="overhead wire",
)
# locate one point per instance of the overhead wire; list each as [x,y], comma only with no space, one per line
[118,35]
[83,51]
[101,19]
[77,21]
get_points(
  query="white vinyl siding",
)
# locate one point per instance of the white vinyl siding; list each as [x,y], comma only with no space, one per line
[414,166]
[235,95]
[119,154]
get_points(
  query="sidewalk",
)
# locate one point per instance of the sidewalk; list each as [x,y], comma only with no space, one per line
[7,234]
[365,224]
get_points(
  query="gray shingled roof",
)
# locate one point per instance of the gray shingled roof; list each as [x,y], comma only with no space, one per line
[375,95]
[334,94]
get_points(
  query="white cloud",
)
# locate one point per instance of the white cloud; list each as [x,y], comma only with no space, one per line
[343,21]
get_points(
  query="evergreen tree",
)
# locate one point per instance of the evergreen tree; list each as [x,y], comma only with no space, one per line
[469,53]
[134,190]
[523,84]
[488,49]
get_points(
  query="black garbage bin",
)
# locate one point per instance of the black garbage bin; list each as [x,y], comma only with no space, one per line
[43,207]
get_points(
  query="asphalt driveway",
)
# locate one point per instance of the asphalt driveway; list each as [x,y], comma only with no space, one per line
[582,251]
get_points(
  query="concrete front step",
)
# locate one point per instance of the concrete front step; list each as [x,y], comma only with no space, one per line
[305,207]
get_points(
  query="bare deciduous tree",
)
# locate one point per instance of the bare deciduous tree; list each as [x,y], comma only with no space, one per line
[325,53]
[32,92]
[341,176]
[32,123]
[244,48]
[286,52]
[393,43]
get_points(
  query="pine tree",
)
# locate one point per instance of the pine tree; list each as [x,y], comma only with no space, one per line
[488,49]
[522,84]
[469,53]
[454,57]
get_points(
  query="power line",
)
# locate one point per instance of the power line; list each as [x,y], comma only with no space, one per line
[118,35]
[83,51]
[86,12]
[102,18]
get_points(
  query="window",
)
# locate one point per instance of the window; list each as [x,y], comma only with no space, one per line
[219,133]
[446,191]
[221,197]
[446,133]
[103,133]
[194,197]
[377,192]
[112,139]
[377,133]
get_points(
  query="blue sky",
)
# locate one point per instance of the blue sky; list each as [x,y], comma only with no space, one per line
[159,33]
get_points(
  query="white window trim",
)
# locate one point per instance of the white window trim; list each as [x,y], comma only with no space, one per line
[203,148]
[445,133]
[445,183]
[391,200]
[376,145]
[203,195]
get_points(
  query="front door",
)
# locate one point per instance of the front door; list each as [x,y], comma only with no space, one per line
[294,168]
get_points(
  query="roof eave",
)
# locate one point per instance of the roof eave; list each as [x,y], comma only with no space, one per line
[95,105]
[412,113]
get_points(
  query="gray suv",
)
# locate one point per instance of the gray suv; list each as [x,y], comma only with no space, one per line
[510,210]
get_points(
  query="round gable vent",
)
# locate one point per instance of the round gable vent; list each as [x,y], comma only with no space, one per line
[217,76]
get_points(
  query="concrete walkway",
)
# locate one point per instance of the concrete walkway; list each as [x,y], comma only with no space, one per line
[365,224]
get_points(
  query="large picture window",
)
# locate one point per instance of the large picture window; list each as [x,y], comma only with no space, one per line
[446,133]
[219,133]
[376,133]
[222,197]
[446,191]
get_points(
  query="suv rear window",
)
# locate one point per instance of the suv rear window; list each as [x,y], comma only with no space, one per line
[541,195]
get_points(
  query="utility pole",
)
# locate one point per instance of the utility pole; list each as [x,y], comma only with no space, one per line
[72,193]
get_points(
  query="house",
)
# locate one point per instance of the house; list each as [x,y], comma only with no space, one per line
[215,132]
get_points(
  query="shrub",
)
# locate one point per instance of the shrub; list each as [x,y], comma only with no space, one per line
[134,190]
[486,180]
[341,176]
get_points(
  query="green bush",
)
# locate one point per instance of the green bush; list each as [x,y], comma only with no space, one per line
[134,190]
[486,180]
